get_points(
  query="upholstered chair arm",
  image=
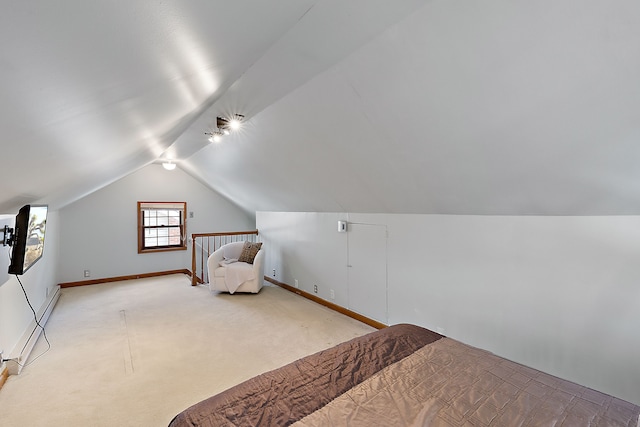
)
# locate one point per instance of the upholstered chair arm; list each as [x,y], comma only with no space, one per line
[213,261]
[258,264]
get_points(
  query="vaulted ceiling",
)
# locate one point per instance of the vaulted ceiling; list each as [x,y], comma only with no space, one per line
[442,106]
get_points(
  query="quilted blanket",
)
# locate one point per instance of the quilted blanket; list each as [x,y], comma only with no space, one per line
[236,274]
[405,375]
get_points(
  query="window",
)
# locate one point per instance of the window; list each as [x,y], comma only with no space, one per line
[161,226]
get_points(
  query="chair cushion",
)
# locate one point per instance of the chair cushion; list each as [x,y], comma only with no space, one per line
[240,267]
[249,252]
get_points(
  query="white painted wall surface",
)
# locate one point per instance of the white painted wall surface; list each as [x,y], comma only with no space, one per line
[39,281]
[307,247]
[560,294]
[367,270]
[99,232]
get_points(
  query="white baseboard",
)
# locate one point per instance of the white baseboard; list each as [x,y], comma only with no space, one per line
[20,353]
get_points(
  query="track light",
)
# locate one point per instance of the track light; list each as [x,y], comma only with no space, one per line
[224,126]
[234,124]
[215,136]
[221,122]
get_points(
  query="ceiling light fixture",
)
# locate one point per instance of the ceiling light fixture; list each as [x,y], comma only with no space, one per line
[224,126]
[234,124]
[215,136]
[169,165]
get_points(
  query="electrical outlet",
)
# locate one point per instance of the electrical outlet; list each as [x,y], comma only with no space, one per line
[87,273]
[332,294]
[274,272]
[315,288]
[296,281]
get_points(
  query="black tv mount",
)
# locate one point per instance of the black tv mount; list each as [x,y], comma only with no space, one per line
[7,238]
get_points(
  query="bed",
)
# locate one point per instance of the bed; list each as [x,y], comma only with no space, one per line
[406,375]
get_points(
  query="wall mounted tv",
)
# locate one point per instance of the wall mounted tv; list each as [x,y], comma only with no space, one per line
[27,237]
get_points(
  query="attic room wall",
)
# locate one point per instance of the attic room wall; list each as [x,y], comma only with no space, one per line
[558,294]
[40,283]
[99,231]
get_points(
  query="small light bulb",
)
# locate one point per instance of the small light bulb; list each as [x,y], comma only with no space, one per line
[216,138]
[234,124]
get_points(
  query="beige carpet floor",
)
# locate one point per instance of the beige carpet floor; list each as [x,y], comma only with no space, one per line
[135,353]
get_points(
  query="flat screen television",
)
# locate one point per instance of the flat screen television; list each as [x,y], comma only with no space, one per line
[28,238]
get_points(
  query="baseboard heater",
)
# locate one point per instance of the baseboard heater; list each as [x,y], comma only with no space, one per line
[21,352]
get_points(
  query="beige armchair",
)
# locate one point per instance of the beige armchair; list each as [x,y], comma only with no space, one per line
[226,274]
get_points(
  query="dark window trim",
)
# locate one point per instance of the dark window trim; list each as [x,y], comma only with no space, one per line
[141,227]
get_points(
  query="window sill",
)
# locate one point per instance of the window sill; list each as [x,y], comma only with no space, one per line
[153,250]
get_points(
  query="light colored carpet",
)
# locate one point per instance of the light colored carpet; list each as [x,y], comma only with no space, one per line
[135,353]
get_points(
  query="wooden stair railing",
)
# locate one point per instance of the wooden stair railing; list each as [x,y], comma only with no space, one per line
[204,244]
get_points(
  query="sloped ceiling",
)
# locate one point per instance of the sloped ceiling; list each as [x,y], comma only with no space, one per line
[458,107]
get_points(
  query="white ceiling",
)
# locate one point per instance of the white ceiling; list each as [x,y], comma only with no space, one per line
[443,106]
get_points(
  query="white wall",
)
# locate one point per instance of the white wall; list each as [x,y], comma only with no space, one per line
[40,282]
[99,232]
[560,294]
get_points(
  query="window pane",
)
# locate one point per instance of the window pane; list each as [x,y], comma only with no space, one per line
[162,225]
[162,237]
[174,236]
